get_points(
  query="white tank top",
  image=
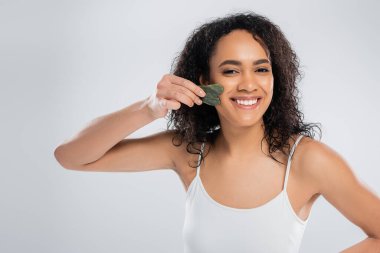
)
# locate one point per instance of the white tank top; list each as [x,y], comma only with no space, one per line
[211,227]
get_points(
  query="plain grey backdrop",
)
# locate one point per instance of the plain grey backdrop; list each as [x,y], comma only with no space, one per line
[63,63]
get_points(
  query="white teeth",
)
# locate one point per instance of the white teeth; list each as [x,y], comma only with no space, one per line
[246,102]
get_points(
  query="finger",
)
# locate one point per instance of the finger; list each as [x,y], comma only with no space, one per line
[181,97]
[176,92]
[172,104]
[172,94]
[194,98]
[188,84]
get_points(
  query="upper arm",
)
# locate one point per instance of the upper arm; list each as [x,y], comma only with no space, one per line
[341,187]
[152,152]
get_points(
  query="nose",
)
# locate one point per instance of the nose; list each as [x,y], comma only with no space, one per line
[248,82]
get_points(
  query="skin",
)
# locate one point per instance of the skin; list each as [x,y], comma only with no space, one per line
[316,169]
[235,172]
[242,130]
[237,152]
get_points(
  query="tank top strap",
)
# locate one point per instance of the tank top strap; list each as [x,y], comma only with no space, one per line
[199,158]
[290,161]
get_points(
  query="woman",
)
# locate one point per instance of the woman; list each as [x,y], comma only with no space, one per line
[264,169]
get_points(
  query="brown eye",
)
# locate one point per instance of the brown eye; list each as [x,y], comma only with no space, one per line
[228,71]
[264,70]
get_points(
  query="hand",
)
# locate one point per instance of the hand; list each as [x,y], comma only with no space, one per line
[171,91]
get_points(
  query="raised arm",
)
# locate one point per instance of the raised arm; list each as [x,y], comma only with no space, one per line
[101,146]
[101,134]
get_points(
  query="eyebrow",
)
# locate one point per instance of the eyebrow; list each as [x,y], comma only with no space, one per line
[235,62]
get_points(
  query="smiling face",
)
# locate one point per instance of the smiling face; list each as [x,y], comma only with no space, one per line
[241,65]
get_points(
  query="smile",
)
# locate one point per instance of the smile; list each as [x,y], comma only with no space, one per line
[246,104]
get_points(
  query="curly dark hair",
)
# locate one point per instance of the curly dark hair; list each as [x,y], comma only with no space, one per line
[282,119]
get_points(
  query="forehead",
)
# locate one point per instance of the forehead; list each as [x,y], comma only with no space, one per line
[238,45]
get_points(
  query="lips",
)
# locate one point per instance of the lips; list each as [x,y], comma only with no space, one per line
[246,107]
[246,98]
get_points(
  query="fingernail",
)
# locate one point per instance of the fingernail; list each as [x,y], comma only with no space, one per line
[201,92]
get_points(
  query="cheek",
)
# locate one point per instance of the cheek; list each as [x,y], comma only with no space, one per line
[269,85]
[271,88]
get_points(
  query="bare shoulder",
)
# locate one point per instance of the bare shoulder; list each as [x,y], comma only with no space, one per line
[314,153]
[340,186]
[318,161]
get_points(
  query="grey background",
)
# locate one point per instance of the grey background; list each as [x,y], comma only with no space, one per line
[63,63]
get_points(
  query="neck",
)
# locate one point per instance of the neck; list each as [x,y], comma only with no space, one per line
[243,142]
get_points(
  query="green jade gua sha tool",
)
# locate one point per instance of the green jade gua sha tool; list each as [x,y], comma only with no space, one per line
[212,93]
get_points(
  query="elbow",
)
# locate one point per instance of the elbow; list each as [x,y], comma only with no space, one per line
[62,160]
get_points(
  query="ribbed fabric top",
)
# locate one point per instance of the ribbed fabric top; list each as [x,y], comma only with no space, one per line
[211,227]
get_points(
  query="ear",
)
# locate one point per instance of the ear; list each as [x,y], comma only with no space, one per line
[202,80]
